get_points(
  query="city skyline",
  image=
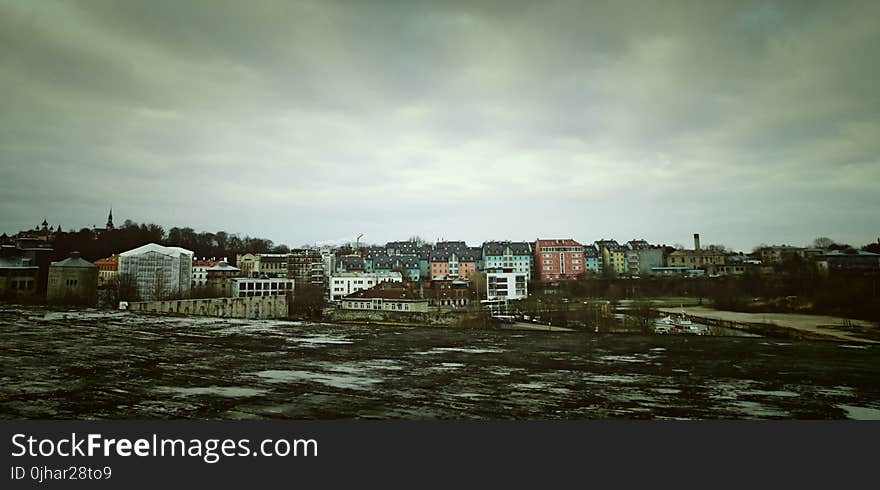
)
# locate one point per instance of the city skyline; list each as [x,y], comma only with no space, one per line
[314,122]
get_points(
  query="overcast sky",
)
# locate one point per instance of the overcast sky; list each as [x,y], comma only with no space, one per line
[308,122]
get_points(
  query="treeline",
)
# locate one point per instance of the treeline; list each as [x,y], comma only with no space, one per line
[795,286]
[131,235]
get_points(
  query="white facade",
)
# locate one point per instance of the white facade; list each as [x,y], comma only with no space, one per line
[200,275]
[344,283]
[246,287]
[328,256]
[157,272]
[385,304]
[200,272]
[506,285]
[517,257]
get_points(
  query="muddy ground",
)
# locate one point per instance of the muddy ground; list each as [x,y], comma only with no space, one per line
[97,364]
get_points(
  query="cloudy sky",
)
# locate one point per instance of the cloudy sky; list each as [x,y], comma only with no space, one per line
[308,122]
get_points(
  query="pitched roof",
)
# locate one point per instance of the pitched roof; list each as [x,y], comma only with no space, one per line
[352,262]
[393,261]
[639,245]
[74,261]
[556,242]
[386,291]
[611,245]
[449,246]
[465,255]
[498,248]
[223,266]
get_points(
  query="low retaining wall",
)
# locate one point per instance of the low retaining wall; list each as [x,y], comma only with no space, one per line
[431,318]
[253,307]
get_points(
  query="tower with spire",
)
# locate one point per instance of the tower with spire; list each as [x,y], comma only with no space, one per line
[110,220]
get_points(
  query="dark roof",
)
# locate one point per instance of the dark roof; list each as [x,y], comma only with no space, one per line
[850,253]
[74,261]
[403,248]
[498,248]
[639,245]
[610,245]
[449,246]
[352,262]
[375,253]
[386,290]
[462,256]
[394,261]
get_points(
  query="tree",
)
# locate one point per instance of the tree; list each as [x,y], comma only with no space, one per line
[643,314]
[477,286]
[280,249]
[127,288]
[308,300]
[873,247]
[823,242]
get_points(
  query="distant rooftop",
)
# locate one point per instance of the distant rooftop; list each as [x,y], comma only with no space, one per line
[74,261]
[155,247]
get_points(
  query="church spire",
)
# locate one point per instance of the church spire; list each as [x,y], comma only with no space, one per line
[110,220]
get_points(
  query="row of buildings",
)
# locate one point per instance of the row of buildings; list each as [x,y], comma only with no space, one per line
[442,273]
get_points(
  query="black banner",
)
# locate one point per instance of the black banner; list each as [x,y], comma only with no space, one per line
[134,454]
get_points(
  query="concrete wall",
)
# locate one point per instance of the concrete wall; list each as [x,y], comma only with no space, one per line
[255,307]
[77,285]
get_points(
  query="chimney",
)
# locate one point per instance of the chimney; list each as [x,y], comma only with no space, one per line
[697,242]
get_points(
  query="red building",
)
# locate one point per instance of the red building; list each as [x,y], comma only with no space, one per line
[558,259]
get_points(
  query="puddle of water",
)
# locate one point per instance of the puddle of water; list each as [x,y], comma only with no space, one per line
[860,413]
[334,380]
[359,367]
[226,391]
[622,359]
[530,386]
[319,340]
[759,410]
[611,378]
[837,391]
[781,393]
[466,350]
[667,391]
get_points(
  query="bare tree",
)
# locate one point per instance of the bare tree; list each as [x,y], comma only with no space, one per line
[823,242]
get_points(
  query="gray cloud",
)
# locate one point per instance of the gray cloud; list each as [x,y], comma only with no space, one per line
[308,121]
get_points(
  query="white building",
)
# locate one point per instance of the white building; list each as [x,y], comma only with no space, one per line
[344,283]
[245,287]
[328,257]
[157,272]
[269,264]
[506,284]
[508,255]
[200,271]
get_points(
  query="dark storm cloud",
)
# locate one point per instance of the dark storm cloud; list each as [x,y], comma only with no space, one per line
[309,121]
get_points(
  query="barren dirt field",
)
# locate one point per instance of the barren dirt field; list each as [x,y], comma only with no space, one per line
[97,364]
[825,325]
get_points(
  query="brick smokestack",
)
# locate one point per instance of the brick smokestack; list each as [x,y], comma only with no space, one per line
[697,242]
